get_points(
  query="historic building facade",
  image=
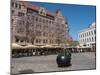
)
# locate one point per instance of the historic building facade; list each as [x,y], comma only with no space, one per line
[37,26]
[87,37]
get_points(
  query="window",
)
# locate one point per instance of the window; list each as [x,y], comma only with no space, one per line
[12,11]
[46,21]
[49,22]
[40,20]
[45,41]
[12,21]
[83,35]
[36,19]
[12,4]
[89,39]
[19,6]
[38,26]
[52,22]
[38,40]
[17,40]
[91,32]
[20,14]
[22,40]
[16,5]
[92,39]
[95,38]
[94,31]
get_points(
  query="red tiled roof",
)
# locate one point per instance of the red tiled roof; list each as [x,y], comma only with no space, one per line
[36,8]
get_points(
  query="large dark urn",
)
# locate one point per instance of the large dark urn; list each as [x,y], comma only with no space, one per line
[64,58]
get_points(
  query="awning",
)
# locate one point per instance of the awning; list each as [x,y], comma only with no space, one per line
[47,46]
[16,46]
[31,46]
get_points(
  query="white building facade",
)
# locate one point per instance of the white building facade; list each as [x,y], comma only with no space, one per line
[87,37]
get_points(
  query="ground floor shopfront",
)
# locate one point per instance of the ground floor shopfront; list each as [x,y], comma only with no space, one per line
[34,51]
[21,52]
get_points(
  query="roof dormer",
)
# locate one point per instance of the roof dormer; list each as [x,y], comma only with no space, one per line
[42,11]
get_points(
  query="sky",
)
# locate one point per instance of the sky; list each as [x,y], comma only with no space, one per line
[79,17]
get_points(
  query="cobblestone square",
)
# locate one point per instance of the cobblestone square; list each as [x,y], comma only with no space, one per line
[34,64]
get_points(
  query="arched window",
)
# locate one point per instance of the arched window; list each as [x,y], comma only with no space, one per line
[89,39]
[94,31]
[92,39]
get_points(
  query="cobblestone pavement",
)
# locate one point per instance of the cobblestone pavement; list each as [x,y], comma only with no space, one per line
[47,63]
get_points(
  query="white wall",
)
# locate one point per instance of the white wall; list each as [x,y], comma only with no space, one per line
[87,39]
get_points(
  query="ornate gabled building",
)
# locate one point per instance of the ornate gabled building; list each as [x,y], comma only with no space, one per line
[37,26]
